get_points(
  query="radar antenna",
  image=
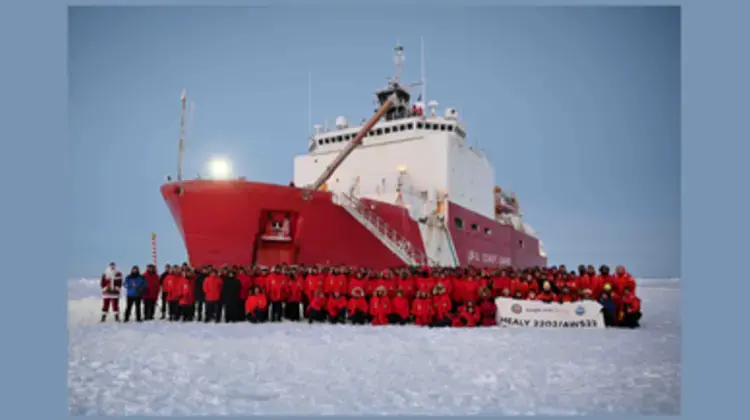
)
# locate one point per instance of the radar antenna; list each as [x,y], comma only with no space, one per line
[398,59]
[181,142]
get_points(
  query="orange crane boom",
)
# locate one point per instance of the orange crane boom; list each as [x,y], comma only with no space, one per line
[353,143]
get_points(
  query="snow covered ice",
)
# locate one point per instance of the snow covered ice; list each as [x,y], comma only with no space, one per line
[159,368]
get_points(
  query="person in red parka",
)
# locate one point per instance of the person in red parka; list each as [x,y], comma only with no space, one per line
[336,308]
[443,305]
[467,316]
[173,294]
[400,314]
[186,291]
[487,308]
[277,282]
[358,307]
[422,310]
[152,292]
[380,307]
[212,286]
[256,306]
[630,309]
[294,292]
[316,311]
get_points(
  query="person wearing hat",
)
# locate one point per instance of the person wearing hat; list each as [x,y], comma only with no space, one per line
[170,287]
[357,306]
[608,306]
[212,286]
[111,284]
[443,306]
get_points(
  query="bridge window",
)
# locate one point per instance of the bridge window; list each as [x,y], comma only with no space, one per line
[520,243]
[339,139]
[403,127]
[459,222]
[442,127]
[379,131]
[371,133]
[395,128]
[387,130]
[410,126]
[327,141]
[419,126]
[320,142]
[450,128]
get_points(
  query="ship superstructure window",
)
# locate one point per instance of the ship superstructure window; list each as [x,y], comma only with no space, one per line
[520,243]
[387,130]
[379,131]
[442,127]
[488,231]
[340,139]
[474,226]
[459,222]
[419,126]
[410,126]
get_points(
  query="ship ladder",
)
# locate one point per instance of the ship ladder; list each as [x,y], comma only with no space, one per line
[390,237]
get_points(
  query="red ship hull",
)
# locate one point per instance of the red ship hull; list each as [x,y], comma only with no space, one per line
[228,222]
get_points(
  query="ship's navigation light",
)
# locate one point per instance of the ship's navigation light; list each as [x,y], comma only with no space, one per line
[220,168]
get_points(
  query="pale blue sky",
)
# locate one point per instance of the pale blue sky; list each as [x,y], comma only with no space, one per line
[577,108]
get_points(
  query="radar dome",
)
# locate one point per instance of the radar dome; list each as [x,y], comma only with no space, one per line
[341,123]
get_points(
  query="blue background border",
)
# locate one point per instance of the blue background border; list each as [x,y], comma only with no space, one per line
[715,147]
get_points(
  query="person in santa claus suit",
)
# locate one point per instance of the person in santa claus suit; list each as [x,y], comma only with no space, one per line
[111,284]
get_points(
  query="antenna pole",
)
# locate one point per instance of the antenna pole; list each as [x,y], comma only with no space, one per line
[181,143]
[424,81]
[309,103]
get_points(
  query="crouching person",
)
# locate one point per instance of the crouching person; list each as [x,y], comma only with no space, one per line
[336,308]
[467,316]
[316,310]
[422,310]
[608,308]
[400,314]
[487,309]
[256,306]
[443,305]
[358,307]
[380,307]
[630,314]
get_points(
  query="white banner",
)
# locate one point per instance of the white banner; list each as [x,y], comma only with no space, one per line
[535,314]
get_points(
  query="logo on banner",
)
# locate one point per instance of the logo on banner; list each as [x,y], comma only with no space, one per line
[516,308]
[580,310]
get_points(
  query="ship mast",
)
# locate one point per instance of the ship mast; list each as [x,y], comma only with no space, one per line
[181,142]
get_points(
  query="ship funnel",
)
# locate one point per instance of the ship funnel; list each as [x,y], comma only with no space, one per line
[341,123]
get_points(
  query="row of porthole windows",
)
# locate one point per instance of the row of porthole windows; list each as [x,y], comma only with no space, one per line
[395,129]
[460,224]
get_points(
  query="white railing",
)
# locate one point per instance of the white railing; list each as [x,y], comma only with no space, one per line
[394,240]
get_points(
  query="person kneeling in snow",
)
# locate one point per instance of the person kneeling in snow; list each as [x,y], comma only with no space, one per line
[608,307]
[400,314]
[358,307]
[630,312]
[487,308]
[316,309]
[380,307]
[256,306]
[336,308]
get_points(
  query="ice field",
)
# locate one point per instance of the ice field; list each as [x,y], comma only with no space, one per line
[159,368]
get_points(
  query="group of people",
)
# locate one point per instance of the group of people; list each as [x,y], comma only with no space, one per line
[434,296]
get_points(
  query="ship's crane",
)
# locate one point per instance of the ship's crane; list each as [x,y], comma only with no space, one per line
[392,101]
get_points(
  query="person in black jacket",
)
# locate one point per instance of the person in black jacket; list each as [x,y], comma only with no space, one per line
[200,296]
[230,293]
[167,271]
